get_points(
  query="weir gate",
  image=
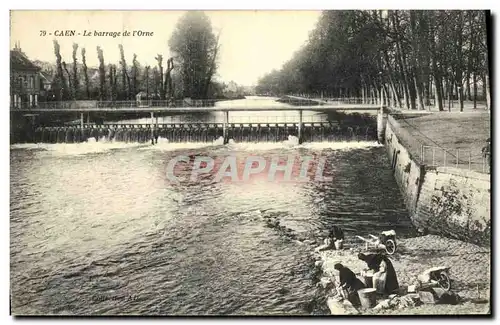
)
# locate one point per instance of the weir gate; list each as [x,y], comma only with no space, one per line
[308,120]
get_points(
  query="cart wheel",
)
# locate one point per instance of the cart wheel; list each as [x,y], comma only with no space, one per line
[390,246]
[444,281]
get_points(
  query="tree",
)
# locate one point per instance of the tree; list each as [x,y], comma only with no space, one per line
[159,59]
[135,72]
[60,80]
[125,76]
[394,57]
[112,82]
[169,88]
[69,79]
[85,74]
[76,83]
[195,49]
[102,74]
[146,71]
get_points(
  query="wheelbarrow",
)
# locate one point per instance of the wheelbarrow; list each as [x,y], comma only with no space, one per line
[436,276]
[386,241]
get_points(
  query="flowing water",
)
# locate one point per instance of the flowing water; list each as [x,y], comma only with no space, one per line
[98,228]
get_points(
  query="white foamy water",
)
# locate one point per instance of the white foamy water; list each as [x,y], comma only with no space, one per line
[341,145]
[164,145]
[93,146]
[83,148]
[293,143]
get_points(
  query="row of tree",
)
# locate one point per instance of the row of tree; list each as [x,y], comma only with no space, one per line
[194,47]
[410,59]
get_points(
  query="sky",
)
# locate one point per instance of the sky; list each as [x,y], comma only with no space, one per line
[252,42]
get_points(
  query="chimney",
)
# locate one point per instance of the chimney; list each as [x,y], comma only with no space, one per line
[17,47]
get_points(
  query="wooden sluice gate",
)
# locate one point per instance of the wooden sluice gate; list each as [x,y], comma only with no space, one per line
[203,132]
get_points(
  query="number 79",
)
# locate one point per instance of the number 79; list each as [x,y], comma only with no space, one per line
[43,33]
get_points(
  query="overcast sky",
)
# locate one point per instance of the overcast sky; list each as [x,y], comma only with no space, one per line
[252,42]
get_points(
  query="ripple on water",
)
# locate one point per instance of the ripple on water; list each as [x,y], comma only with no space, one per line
[102,230]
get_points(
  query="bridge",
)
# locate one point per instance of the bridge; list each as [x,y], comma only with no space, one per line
[296,104]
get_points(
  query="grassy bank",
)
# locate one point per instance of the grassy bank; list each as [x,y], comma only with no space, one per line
[456,137]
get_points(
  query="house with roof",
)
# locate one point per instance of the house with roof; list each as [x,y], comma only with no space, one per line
[25,83]
[45,85]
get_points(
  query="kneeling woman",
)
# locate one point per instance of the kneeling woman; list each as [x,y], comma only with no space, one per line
[335,238]
[350,283]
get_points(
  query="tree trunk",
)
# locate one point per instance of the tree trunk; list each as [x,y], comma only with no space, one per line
[438,92]
[385,101]
[474,87]
[488,98]
[413,95]
[428,92]
[467,87]
[147,83]
[460,94]
[69,80]
[470,61]
[400,59]
[418,91]
[111,95]
[450,96]
[363,96]
[459,72]
[483,95]
[417,43]
[391,77]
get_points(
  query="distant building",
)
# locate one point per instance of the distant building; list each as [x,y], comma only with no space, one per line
[25,80]
[232,87]
[231,90]
[45,85]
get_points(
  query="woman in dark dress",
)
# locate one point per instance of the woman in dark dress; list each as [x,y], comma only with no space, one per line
[350,283]
[336,234]
[383,271]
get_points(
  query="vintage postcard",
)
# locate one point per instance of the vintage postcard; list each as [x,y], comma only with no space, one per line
[270,163]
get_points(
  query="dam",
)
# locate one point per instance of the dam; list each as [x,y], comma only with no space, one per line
[254,119]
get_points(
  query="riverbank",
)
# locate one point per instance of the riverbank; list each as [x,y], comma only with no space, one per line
[453,204]
[443,198]
[299,101]
[470,272]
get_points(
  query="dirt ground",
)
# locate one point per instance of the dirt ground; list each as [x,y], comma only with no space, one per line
[470,271]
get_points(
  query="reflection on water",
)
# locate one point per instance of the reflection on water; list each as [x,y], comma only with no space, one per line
[98,228]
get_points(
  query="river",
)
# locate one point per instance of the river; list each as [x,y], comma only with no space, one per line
[278,113]
[98,228]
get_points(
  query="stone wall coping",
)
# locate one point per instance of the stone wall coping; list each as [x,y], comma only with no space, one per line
[464,173]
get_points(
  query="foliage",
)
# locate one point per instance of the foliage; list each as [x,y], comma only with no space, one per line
[399,58]
[195,49]
[190,76]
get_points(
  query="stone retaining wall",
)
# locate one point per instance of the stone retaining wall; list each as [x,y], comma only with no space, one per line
[447,201]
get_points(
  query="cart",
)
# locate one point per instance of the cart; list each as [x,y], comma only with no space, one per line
[386,240]
[436,276]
